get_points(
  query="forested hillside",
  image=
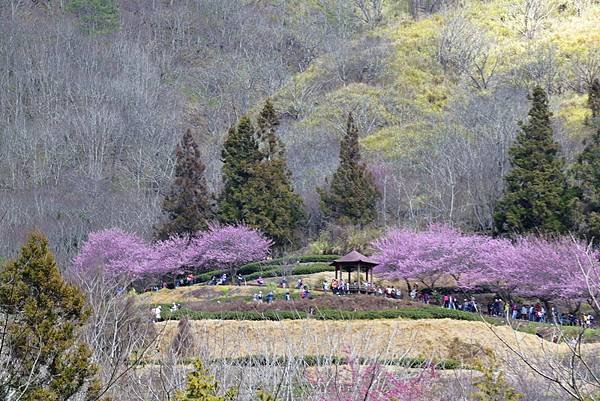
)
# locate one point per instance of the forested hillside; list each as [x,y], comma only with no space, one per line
[95,95]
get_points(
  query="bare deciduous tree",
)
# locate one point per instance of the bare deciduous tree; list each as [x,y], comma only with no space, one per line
[529,16]
[469,51]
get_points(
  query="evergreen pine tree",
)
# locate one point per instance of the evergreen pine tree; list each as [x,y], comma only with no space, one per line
[536,198]
[42,358]
[586,172]
[240,157]
[352,196]
[271,146]
[187,205]
[271,203]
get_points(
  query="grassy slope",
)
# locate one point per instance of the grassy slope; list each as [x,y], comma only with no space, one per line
[410,94]
[438,339]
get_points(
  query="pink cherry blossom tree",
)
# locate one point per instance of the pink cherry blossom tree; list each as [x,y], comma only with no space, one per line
[227,247]
[426,256]
[169,256]
[494,257]
[549,269]
[113,252]
[116,252]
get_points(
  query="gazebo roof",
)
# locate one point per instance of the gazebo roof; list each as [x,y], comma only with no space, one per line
[354,257]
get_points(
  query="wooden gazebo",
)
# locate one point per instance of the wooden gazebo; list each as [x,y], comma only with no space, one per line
[354,262]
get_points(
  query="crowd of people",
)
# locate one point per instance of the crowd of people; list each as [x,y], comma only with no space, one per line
[534,312]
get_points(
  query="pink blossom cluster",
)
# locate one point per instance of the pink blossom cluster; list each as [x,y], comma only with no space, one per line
[550,269]
[227,247]
[428,255]
[117,252]
[113,251]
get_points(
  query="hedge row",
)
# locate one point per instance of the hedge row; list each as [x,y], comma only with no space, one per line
[258,266]
[296,270]
[273,271]
[406,313]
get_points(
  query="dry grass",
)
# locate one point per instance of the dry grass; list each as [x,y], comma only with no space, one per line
[383,338]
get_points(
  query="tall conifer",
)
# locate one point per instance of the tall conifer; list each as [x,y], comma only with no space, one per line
[352,197]
[257,188]
[41,356]
[272,205]
[188,204]
[536,198]
[240,158]
[586,171]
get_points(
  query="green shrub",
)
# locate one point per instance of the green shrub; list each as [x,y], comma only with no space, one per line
[296,270]
[272,268]
[208,275]
[406,313]
[260,266]
[201,385]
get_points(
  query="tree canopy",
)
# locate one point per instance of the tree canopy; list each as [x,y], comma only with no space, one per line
[240,156]
[188,204]
[352,195]
[258,190]
[586,171]
[42,357]
[536,197]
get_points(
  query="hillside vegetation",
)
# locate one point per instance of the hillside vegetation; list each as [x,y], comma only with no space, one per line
[95,98]
[438,99]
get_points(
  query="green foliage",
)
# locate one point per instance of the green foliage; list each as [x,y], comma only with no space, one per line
[274,267]
[265,396]
[256,266]
[202,386]
[188,205]
[594,102]
[406,313]
[240,157]
[352,197]
[493,385]
[586,172]
[303,269]
[45,359]
[96,16]
[271,203]
[536,199]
